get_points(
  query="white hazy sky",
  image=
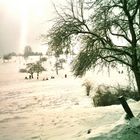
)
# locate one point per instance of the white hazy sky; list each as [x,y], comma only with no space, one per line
[22,22]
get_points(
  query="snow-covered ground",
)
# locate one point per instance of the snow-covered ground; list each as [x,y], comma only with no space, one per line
[58,109]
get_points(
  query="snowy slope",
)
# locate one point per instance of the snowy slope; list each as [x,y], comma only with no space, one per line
[57,109]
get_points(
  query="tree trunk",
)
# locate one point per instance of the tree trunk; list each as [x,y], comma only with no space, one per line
[56,65]
[32,77]
[37,75]
[56,69]
[137,77]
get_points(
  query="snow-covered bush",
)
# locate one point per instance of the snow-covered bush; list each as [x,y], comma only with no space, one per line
[127,92]
[106,95]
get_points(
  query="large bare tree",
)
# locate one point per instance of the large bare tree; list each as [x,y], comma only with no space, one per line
[109,31]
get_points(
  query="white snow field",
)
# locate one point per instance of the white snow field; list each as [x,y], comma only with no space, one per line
[58,109]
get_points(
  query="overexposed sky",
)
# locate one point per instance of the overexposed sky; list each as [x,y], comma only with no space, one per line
[22,22]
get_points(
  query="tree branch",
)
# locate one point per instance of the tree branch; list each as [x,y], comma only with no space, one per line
[118,50]
[114,59]
[120,35]
[136,9]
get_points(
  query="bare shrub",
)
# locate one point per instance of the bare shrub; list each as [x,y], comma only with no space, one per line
[88,85]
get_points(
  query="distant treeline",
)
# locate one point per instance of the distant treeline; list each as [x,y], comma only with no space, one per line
[9,55]
[27,52]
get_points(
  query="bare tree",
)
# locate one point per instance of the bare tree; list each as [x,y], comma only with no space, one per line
[98,23]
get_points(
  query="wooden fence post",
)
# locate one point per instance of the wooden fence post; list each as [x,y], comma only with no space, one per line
[126,107]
